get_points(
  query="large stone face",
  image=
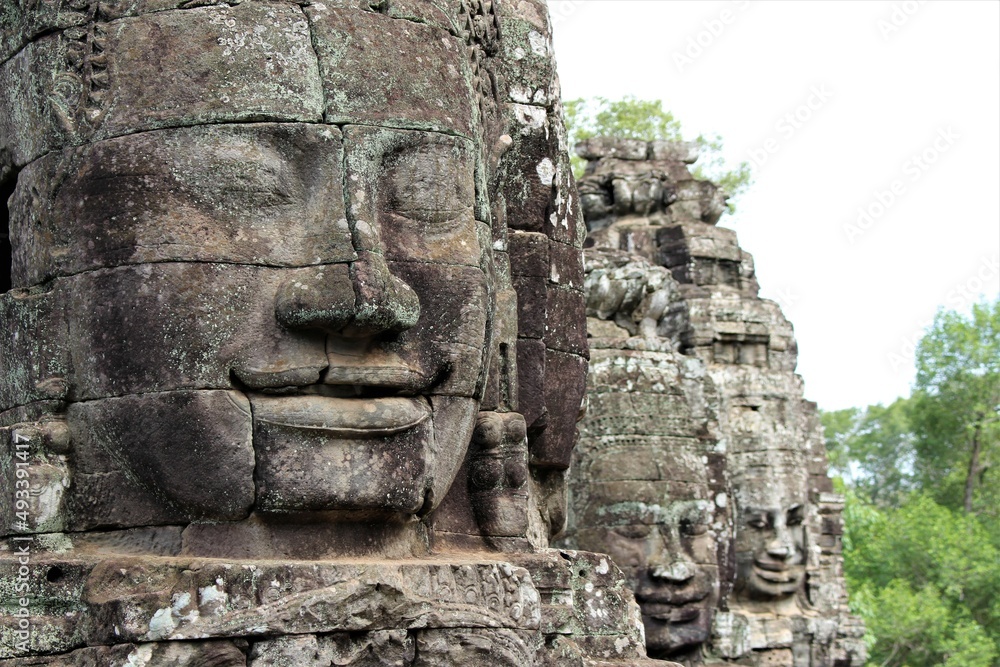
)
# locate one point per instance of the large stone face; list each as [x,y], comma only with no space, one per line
[696,418]
[294,348]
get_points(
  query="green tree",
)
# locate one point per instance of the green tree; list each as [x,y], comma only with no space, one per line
[873,450]
[956,405]
[922,535]
[925,579]
[647,120]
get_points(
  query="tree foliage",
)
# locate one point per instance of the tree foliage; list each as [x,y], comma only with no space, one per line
[956,412]
[925,579]
[647,120]
[873,450]
[922,533]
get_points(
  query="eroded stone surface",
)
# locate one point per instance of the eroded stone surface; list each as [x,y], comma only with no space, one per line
[106,79]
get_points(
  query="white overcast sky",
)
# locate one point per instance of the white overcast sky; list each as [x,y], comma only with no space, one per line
[888,81]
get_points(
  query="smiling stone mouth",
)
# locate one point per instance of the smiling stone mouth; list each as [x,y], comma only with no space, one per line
[672,599]
[784,575]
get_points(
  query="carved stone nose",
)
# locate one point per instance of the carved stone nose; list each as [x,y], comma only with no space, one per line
[677,572]
[384,302]
[357,300]
[779,551]
[319,298]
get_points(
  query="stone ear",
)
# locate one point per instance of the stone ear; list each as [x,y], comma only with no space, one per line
[498,474]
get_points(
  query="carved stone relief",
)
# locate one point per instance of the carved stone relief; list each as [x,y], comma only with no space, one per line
[294,347]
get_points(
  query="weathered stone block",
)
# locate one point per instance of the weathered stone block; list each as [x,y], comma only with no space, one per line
[444,648]
[529,187]
[674,151]
[609,147]
[160,457]
[564,389]
[34,358]
[529,254]
[67,88]
[564,221]
[370,649]
[366,60]
[168,654]
[134,600]
[532,301]
[565,321]
[32,458]
[526,64]
[565,265]
[681,242]
[531,381]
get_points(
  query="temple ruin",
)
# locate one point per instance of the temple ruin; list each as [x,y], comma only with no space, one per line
[701,468]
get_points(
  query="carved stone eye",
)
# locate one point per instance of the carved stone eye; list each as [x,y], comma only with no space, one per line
[693,528]
[634,532]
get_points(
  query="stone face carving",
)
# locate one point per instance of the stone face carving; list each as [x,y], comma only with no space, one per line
[649,476]
[294,346]
[693,403]
[653,503]
[770,529]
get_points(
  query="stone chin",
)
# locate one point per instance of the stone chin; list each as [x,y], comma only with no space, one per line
[369,455]
[665,638]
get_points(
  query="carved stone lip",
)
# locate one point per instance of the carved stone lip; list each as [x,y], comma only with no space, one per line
[342,417]
[777,573]
[670,614]
[667,598]
[401,378]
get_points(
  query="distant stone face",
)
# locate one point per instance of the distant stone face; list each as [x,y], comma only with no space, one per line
[770,535]
[295,343]
[653,503]
[693,403]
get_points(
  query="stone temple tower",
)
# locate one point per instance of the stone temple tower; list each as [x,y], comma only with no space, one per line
[738,562]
